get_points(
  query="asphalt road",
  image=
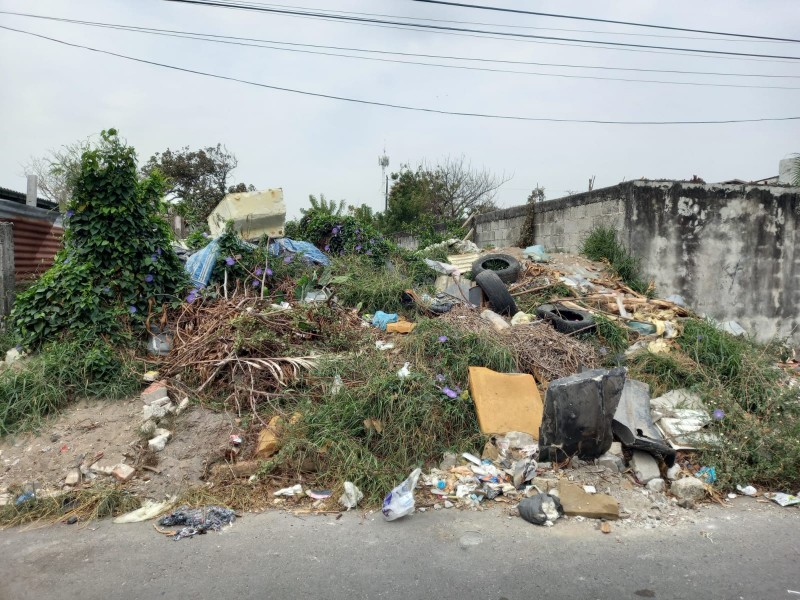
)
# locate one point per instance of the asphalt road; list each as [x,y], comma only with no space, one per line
[749,551]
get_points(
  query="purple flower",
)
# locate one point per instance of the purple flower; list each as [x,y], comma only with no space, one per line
[288,258]
[259,271]
[327,247]
[106,289]
[269,272]
[205,235]
[440,378]
[191,298]
[158,251]
[256,283]
[358,248]
[69,213]
[335,230]
[230,261]
[148,278]
[132,309]
[719,414]
[443,338]
[154,257]
[369,253]
[449,393]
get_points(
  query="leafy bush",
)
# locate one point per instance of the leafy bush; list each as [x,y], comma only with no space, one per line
[603,243]
[339,235]
[117,262]
[197,239]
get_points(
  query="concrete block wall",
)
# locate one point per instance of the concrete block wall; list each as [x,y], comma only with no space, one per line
[729,249]
[560,225]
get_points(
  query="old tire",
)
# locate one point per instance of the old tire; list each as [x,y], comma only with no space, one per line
[497,293]
[506,267]
[566,320]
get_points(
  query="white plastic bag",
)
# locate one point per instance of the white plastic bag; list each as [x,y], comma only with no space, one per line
[352,495]
[400,501]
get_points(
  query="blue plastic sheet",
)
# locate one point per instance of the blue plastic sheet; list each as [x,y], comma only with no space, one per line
[310,252]
[200,264]
[382,319]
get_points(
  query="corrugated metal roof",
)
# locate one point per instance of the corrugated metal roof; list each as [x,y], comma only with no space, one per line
[20,198]
[35,245]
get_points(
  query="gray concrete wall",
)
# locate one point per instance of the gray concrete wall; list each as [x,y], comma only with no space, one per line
[728,249]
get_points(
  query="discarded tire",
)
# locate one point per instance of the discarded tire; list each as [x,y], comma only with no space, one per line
[501,301]
[566,320]
[506,267]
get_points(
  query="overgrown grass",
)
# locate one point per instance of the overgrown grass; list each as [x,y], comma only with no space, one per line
[417,420]
[86,505]
[603,243]
[759,427]
[611,335]
[59,373]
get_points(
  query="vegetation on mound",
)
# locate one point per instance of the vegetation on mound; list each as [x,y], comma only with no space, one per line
[603,244]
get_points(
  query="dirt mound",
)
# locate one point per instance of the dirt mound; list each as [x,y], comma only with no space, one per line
[111,428]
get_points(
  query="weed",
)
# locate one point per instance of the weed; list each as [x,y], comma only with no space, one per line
[530,302]
[59,373]
[88,504]
[603,243]
[757,415]
[611,335]
[419,417]
[373,288]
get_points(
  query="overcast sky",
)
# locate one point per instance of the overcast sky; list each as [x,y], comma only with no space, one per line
[53,94]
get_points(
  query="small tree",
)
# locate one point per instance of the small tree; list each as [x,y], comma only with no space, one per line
[196,179]
[117,263]
[323,206]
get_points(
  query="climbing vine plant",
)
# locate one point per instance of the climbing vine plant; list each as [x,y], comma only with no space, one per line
[117,264]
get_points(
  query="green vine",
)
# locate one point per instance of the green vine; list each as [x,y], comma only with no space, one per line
[117,265]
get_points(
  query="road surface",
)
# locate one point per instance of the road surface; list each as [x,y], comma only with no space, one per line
[749,551]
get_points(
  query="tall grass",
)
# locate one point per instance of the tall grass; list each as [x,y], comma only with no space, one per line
[603,243]
[759,426]
[418,421]
[59,373]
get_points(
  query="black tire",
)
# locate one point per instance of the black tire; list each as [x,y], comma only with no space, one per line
[507,274]
[497,293]
[566,320]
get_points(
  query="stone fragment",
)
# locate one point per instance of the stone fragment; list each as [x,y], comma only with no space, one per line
[577,502]
[656,485]
[155,391]
[688,488]
[644,466]
[611,462]
[73,477]
[123,472]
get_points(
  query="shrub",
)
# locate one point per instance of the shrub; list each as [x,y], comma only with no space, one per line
[117,262]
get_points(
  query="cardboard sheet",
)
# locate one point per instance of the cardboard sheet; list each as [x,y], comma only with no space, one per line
[506,401]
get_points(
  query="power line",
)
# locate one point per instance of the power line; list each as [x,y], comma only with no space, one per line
[600,43]
[398,106]
[610,21]
[624,33]
[244,42]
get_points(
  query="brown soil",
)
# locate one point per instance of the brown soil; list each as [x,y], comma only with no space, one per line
[91,427]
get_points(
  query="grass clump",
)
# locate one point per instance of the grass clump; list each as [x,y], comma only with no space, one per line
[756,414]
[61,372]
[86,505]
[610,334]
[418,417]
[603,243]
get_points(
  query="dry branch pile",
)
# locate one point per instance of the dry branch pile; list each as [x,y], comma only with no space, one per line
[239,345]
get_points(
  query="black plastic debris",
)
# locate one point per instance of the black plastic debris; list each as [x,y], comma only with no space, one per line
[633,425]
[578,411]
[540,509]
[196,521]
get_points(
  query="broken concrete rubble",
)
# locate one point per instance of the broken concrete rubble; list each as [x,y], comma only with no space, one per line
[688,488]
[578,413]
[644,466]
[155,391]
[123,472]
[634,425]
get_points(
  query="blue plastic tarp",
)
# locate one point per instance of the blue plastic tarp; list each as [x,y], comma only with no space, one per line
[200,264]
[309,251]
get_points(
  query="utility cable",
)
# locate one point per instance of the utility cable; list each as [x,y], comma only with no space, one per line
[398,106]
[609,21]
[600,43]
[246,42]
